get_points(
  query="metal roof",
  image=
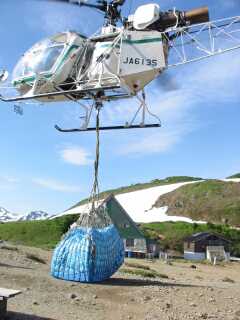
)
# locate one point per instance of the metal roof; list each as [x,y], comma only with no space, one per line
[203,235]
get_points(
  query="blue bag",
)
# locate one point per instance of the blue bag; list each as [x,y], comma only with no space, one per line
[88,254]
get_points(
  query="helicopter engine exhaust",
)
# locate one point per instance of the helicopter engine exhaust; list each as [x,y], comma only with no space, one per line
[183,18]
[195,16]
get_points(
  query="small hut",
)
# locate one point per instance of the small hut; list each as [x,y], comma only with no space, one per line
[205,245]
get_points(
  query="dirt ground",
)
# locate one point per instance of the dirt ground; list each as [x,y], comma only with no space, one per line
[207,292]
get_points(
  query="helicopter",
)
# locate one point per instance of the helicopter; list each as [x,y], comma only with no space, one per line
[120,60]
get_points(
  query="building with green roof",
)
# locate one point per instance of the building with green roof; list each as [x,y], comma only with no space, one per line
[134,240]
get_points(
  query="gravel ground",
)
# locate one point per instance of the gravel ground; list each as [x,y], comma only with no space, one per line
[207,292]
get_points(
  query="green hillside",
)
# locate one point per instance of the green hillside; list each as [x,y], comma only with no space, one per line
[212,200]
[47,233]
[141,186]
[42,234]
[235,176]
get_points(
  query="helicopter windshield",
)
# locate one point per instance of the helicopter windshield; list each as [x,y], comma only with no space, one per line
[41,58]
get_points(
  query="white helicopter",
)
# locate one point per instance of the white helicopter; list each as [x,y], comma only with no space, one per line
[121,60]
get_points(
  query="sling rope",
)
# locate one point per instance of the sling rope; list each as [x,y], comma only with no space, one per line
[95,216]
[94,198]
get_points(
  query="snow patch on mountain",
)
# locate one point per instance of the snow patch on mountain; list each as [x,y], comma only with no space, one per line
[35,215]
[139,204]
[6,216]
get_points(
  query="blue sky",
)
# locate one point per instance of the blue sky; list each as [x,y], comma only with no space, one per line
[43,169]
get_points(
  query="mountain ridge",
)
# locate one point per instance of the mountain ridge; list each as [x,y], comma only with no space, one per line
[7,216]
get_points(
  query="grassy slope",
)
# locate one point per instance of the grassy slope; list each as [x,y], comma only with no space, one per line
[141,186]
[212,200]
[235,176]
[42,234]
[47,233]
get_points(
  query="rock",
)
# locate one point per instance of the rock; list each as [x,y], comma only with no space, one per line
[227,279]
[35,303]
[95,296]
[211,300]
[193,304]
[72,296]
[203,315]
[146,298]
[193,266]
[168,305]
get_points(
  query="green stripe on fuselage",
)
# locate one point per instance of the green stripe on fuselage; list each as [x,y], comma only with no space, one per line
[108,45]
[30,79]
[142,41]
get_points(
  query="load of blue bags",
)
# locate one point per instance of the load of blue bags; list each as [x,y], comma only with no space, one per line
[88,254]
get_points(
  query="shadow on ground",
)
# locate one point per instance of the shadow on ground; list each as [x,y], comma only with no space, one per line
[22,316]
[144,282]
[13,266]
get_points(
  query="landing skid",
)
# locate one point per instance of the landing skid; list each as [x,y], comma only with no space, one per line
[98,104]
[144,126]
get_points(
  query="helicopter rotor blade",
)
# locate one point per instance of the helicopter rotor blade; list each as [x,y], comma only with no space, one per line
[101,4]
[76,2]
[119,2]
[101,7]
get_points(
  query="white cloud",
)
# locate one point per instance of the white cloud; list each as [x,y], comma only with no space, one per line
[154,143]
[56,185]
[76,155]
[8,179]
[8,182]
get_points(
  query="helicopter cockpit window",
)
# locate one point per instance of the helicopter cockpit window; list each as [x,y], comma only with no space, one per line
[37,60]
